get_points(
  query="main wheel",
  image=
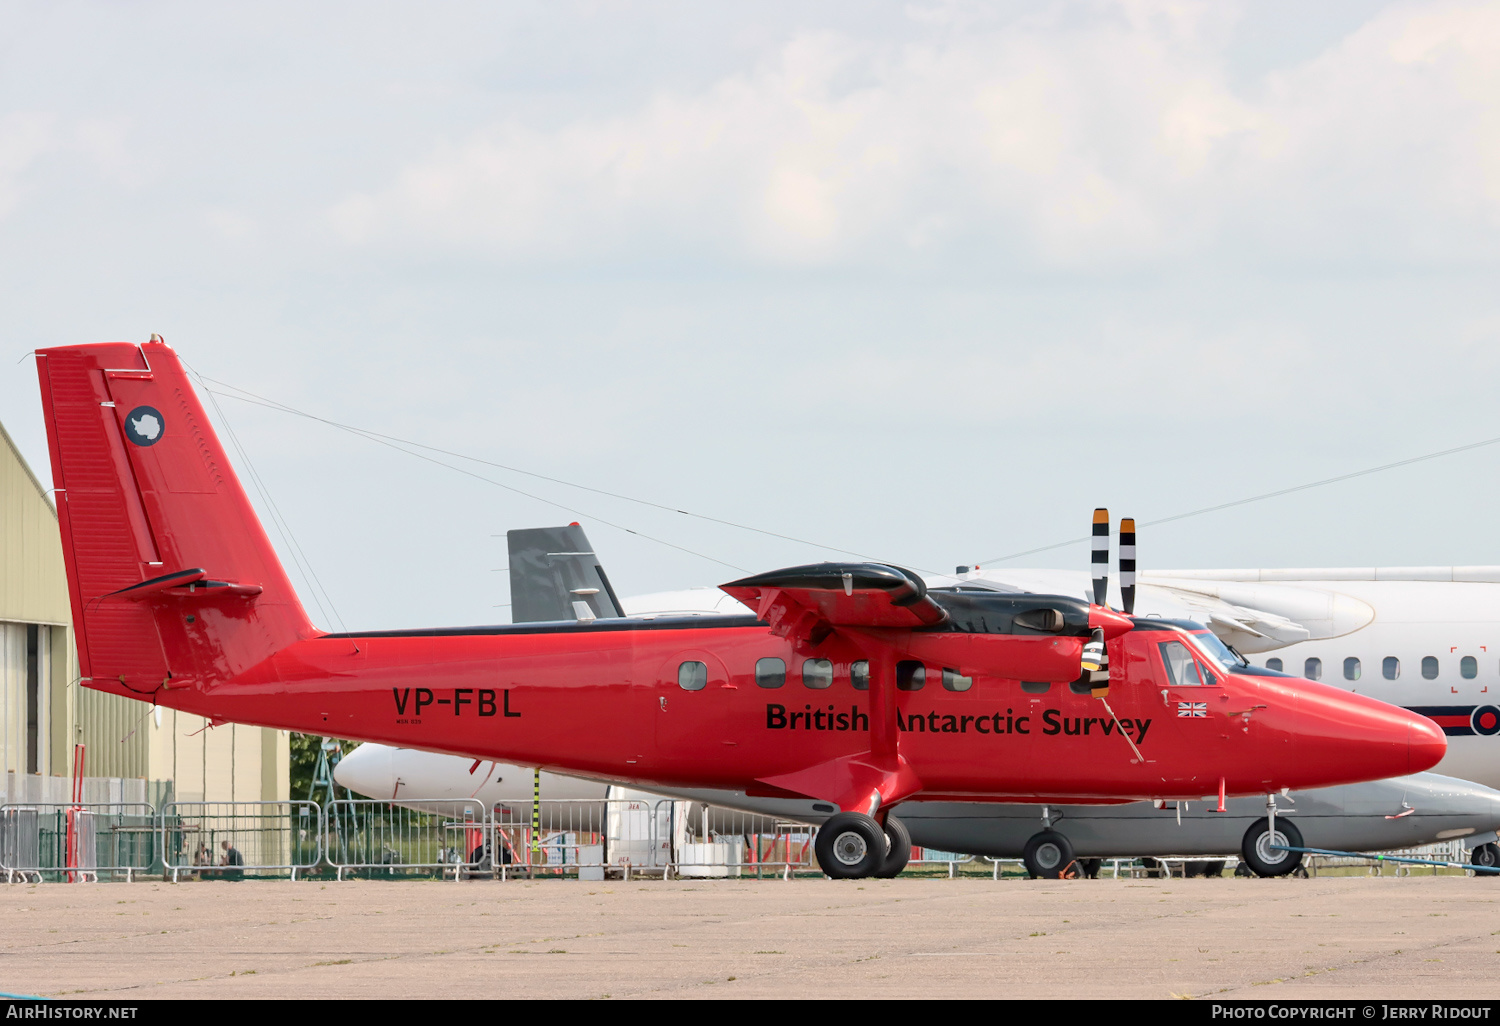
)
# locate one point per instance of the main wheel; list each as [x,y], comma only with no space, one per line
[1258,854]
[897,851]
[1487,855]
[850,845]
[1090,868]
[1049,856]
[1213,868]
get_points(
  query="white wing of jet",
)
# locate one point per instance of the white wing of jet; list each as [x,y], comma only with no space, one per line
[1250,615]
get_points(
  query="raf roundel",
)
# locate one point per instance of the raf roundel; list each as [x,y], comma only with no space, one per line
[145,425]
[1486,720]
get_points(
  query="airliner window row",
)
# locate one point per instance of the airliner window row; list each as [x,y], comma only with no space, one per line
[817,674]
[1390,667]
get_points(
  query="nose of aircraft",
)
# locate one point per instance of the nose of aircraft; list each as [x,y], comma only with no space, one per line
[1425,744]
[368,770]
[1340,737]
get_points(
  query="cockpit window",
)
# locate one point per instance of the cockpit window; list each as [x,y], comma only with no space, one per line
[1216,650]
[1182,669]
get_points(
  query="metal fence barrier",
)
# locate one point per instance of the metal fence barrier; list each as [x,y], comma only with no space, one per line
[226,840]
[449,837]
[712,842]
[77,840]
[582,836]
[460,839]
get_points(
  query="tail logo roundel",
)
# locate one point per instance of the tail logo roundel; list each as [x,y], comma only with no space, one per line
[143,425]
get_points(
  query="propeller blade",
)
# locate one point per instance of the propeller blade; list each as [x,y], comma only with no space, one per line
[1095,657]
[1127,565]
[1099,561]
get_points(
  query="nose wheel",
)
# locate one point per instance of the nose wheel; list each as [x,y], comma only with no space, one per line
[1257,852]
[1487,855]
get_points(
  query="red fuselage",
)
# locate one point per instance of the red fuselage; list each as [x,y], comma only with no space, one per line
[604,700]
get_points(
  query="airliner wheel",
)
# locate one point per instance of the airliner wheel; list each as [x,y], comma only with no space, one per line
[898,849]
[850,846]
[1257,853]
[1485,855]
[1049,856]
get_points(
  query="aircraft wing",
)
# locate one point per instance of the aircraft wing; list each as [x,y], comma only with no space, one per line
[809,601]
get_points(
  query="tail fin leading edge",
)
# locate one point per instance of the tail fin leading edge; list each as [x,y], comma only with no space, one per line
[170,572]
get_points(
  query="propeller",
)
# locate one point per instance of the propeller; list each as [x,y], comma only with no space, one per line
[1127,566]
[1095,662]
[1099,561]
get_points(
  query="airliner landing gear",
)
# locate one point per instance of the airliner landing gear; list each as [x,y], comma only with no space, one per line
[1257,853]
[850,846]
[1485,855]
[898,849]
[1049,856]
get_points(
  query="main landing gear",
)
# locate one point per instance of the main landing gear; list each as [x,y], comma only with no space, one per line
[852,846]
[1049,856]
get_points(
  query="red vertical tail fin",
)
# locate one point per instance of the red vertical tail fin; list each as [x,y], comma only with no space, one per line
[170,572]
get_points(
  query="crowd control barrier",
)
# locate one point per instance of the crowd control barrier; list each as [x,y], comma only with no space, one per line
[227,840]
[712,842]
[460,839]
[77,840]
[378,837]
[582,836]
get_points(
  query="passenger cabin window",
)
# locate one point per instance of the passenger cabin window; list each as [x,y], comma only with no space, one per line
[952,681]
[692,676]
[817,674]
[1391,667]
[910,675]
[1182,669]
[859,675]
[1468,667]
[1429,667]
[1313,669]
[770,672]
[1274,664]
[1351,668]
[1035,687]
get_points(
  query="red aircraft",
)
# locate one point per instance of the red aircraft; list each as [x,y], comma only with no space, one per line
[851,684]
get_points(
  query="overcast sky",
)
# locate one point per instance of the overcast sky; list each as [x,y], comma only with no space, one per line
[924,281]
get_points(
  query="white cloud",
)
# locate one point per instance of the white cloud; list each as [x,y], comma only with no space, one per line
[1106,142]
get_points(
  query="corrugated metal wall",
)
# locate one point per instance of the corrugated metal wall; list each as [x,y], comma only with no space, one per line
[33,587]
[115,731]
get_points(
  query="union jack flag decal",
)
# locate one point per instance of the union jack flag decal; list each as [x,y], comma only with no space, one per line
[1192,708]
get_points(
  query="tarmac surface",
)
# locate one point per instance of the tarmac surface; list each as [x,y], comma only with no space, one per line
[1330,937]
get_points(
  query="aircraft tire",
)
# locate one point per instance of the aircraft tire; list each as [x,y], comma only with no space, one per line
[1089,868]
[1049,856]
[1259,857]
[1485,855]
[850,846]
[898,849]
[1213,869]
